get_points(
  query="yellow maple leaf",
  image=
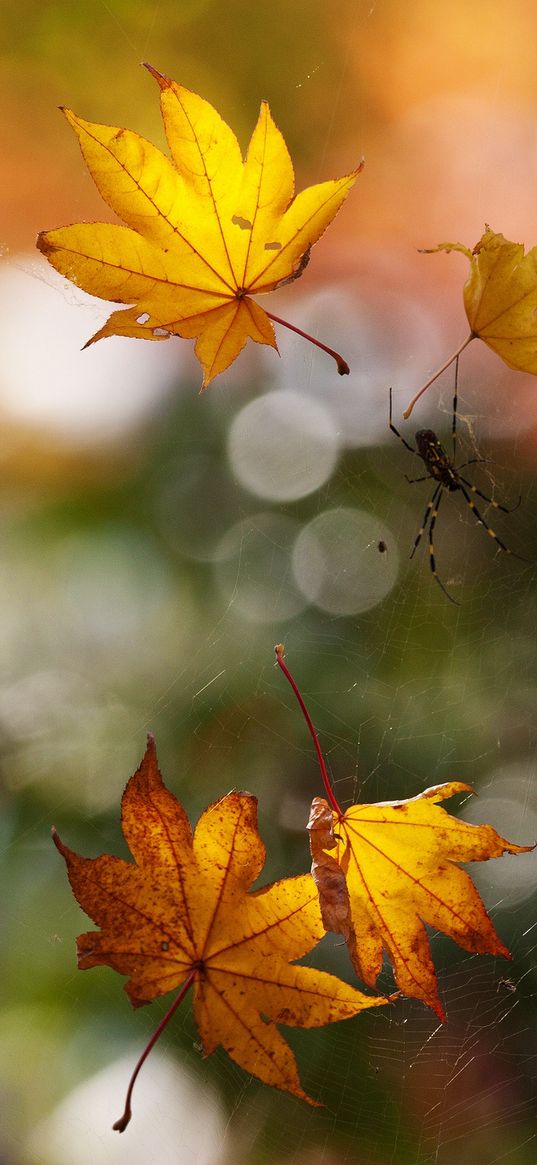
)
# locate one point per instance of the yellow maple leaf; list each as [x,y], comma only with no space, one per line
[385,870]
[500,299]
[181,914]
[204,230]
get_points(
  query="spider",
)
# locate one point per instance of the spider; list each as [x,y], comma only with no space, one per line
[447,477]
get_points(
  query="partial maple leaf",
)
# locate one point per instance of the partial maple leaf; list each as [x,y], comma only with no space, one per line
[182,914]
[204,230]
[385,870]
[500,299]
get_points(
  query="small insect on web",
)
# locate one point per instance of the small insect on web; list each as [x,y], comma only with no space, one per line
[447,477]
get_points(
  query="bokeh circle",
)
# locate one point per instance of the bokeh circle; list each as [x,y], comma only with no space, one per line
[345,561]
[283,446]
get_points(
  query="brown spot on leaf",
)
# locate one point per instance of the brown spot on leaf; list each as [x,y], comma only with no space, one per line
[243,223]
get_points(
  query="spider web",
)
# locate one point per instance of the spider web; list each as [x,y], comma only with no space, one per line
[148,594]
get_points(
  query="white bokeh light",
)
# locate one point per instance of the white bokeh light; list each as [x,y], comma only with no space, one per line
[283,446]
[177,1120]
[48,382]
[345,561]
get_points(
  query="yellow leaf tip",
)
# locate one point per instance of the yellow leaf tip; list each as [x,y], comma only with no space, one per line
[161,79]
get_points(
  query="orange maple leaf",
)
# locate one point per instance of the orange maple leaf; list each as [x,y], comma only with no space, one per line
[205,231]
[182,915]
[385,870]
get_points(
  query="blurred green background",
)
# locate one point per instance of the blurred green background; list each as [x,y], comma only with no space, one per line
[157,543]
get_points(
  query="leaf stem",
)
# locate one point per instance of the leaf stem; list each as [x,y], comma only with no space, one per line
[436,374]
[121,1124]
[342,366]
[280,652]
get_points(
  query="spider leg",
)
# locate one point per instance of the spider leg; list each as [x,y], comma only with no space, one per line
[455,403]
[432,560]
[491,533]
[475,461]
[490,501]
[430,513]
[396,431]
[413,480]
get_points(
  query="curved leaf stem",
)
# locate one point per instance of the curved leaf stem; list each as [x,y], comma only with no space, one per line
[121,1124]
[436,374]
[342,366]
[279,649]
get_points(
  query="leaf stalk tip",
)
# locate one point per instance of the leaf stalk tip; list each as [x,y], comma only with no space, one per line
[342,366]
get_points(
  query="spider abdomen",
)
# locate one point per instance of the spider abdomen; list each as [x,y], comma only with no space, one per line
[438,464]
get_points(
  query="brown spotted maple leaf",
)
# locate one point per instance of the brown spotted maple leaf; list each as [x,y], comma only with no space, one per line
[181,916]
